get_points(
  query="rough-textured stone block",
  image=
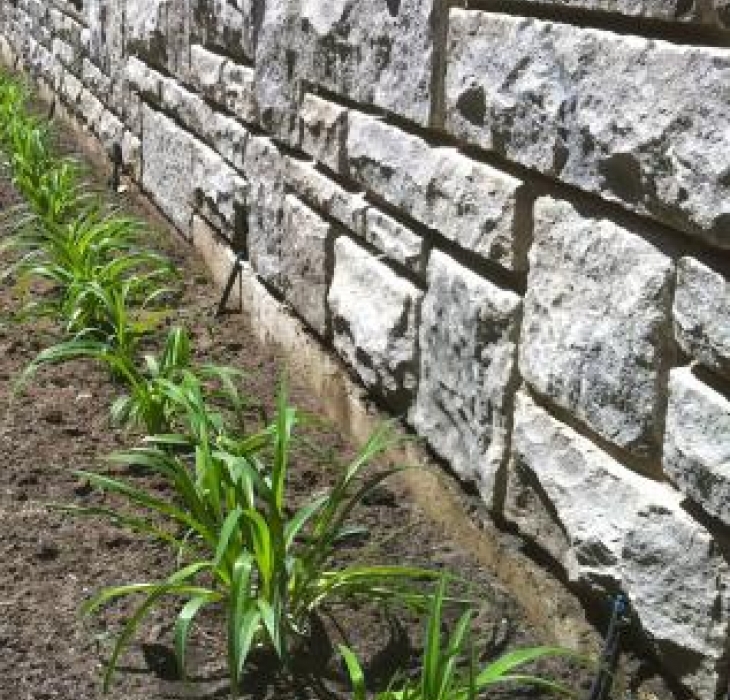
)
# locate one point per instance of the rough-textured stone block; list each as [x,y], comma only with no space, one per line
[396,241]
[714,12]
[596,324]
[146,31]
[218,190]
[167,166]
[206,70]
[468,357]
[303,263]
[697,443]
[265,170]
[323,132]
[228,25]
[467,202]
[322,193]
[615,529]
[635,120]
[187,107]
[374,322]
[378,53]
[702,314]
[239,91]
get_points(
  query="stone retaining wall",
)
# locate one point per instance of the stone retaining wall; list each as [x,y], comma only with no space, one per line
[511,220]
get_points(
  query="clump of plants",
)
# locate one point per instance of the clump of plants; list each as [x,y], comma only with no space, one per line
[238,545]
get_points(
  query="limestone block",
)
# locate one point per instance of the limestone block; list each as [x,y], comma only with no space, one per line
[167,153]
[635,120]
[279,49]
[265,171]
[702,314]
[617,529]
[346,206]
[71,90]
[90,109]
[109,130]
[94,79]
[190,109]
[230,139]
[323,132]
[144,80]
[132,154]
[468,371]
[239,91]
[396,241]
[715,12]
[304,263]
[469,203]
[217,189]
[146,31]
[378,53]
[697,443]
[228,25]
[596,326]
[374,322]
[205,72]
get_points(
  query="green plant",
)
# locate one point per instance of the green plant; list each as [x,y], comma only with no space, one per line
[270,570]
[448,669]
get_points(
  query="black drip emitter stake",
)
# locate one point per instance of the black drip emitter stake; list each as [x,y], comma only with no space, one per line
[117,158]
[601,687]
[235,269]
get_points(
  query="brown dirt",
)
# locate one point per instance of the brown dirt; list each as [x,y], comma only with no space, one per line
[50,562]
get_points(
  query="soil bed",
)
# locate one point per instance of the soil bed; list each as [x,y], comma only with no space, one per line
[52,562]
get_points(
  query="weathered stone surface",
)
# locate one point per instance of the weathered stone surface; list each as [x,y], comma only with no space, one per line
[146,31]
[716,12]
[702,314]
[635,120]
[323,132]
[303,263]
[347,207]
[167,166]
[597,324]
[206,70]
[379,53]
[624,531]
[228,25]
[239,91]
[374,322]
[142,78]
[468,351]
[218,190]
[467,202]
[697,443]
[396,241]
[190,109]
[265,170]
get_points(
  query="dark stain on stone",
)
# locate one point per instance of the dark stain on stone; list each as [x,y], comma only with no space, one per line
[393,7]
[621,174]
[472,105]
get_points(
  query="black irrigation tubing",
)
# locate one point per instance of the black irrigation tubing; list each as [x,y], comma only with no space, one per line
[235,269]
[620,618]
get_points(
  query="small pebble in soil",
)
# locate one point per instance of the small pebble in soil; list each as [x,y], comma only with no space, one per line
[54,416]
[47,551]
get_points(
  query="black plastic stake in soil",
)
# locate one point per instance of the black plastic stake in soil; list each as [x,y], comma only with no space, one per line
[115,179]
[601,688]
[235,269]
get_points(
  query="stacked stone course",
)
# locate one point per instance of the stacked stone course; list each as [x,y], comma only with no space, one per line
[513,225]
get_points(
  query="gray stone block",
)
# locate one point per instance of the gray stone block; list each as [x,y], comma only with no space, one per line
[374,322]
[596,330]
[697,443]
[468,371]
[702,314]
[613,529]
[635,120]
[469,203]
